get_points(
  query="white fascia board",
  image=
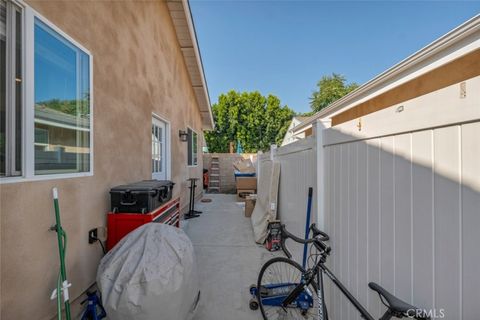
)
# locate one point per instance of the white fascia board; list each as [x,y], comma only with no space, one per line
[296,131]
[193,35]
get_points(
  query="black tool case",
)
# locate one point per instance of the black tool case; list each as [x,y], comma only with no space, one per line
[140,197]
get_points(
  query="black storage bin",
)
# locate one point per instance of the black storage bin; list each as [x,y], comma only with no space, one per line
[140,197]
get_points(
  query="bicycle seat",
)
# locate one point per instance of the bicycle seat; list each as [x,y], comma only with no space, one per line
[397,306]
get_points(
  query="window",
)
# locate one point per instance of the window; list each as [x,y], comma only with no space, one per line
[62,104]
[45,98]
[159,149]
[11,89]
[192,147]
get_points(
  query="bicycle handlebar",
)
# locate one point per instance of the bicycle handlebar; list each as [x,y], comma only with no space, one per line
[317,240]
[317,233]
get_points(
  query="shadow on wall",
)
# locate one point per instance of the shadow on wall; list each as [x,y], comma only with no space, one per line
[403,211]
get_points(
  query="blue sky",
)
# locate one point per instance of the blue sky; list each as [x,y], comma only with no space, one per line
[284,47]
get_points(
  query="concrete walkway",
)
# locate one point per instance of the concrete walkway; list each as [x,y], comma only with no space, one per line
[228,259]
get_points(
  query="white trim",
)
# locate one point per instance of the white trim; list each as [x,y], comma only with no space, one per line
[434,110]
[57,29]
[92,109]
[29,93]
[28,122]
[168,139]
[302,130]
[158,148]
[43,177]
[24,86]
[193,35]
[193,165]
[12,8]
[168,143]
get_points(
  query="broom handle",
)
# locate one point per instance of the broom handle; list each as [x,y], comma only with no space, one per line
[307,226]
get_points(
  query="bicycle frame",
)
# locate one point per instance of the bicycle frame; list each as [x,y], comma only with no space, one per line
[320,268]
[322,314]
[317,271]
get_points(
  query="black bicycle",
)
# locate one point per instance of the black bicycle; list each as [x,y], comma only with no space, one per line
[286,291]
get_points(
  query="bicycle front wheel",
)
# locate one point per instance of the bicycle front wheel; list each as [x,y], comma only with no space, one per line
[277,278]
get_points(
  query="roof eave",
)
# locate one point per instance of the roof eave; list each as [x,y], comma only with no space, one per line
[182,17]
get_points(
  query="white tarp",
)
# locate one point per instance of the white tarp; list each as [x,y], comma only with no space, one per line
[266,206]
[244,166]
[150,274]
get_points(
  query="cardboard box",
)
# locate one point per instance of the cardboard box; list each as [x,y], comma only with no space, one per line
[243,193]
[249,205]
[246,183]
[244,166]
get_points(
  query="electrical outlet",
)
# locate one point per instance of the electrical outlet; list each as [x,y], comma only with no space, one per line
[92,235]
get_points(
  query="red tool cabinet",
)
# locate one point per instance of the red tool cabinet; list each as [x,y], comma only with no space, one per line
[120,224]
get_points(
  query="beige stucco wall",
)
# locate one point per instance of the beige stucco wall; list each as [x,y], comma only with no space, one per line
[138,69]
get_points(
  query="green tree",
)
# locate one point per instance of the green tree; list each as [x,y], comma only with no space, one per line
[73,107]
[253,120]
[330,89]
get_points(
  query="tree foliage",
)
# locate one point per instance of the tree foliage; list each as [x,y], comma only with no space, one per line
[73,107]
[253,120]
[330,89]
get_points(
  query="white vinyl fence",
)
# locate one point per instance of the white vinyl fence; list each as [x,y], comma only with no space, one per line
[404,211]
[399,195]
[297,174]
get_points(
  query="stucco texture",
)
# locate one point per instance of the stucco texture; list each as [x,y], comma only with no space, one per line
[138,70]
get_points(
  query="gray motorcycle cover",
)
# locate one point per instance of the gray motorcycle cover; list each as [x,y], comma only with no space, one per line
[150,274]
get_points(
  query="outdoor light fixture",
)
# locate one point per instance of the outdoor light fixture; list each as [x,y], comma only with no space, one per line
[183,135]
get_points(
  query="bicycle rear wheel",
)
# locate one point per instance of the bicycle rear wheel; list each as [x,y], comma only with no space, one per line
[277,278]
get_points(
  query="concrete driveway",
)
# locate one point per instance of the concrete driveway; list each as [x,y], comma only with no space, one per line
[228,259]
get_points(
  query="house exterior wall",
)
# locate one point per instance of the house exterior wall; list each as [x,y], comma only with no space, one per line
[138,69]
[308,132]
[292,136]
[402,196]
[456,71]
[289,136]
[296,136]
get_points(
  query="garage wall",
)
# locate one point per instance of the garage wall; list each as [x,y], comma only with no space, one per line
[402,204]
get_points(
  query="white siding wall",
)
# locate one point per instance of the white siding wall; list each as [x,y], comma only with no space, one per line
[403,209]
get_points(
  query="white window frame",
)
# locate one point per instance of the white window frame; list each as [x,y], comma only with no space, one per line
[196,164]
[10,125]
[28,129]
[168,144]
